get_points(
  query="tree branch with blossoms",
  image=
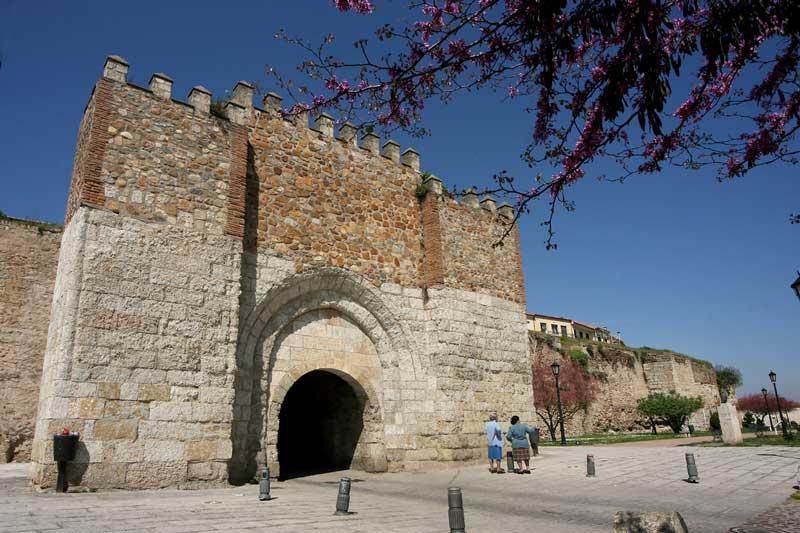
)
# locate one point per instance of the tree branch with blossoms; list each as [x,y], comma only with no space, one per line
[598,78]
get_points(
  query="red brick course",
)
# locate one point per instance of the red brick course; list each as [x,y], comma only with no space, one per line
[86,188]
[433,262]
[520,272]
[237,183]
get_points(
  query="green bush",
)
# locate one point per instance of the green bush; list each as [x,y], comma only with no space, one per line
[421,191]
[579,357]
[728,378]
[217,107]
[672,409]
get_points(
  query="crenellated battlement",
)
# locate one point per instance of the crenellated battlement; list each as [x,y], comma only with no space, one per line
[145,154]
[240,109]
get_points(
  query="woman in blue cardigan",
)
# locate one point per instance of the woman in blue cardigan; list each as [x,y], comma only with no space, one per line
[518,436]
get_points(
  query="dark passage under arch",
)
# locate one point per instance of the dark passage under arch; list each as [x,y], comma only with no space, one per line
[320,423]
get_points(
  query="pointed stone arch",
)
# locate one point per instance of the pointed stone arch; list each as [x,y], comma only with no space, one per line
[255,415]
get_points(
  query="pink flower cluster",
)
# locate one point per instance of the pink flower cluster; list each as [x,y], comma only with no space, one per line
[587,74]
[658,150]
[364,7]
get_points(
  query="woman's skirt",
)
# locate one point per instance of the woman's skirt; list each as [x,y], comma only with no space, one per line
[521,454]
[495,453]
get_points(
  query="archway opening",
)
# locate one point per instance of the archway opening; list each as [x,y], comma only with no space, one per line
[320,423]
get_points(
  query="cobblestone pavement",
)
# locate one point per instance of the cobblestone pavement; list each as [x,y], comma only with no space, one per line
[783,518]
[735,484]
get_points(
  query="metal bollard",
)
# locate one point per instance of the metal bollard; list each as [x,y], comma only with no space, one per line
[590,466]
[263,486]
[510,461]
[455,510]
[691,468]
[343,499]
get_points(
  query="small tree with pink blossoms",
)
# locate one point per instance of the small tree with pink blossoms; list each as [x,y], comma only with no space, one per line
[578,389]
[755,403]
[598,78]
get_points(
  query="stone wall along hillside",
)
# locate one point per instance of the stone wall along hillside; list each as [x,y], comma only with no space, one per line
[28,260]
[624,376]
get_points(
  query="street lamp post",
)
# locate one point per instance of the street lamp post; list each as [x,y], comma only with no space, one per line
[766,406]
[773,377]
[556,368]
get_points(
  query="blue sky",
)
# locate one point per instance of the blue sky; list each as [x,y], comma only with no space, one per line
[675,260]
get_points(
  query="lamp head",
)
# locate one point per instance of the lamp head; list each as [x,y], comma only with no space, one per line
[773,376]
[556,368]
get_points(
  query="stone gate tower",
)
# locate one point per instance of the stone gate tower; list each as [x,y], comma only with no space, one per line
[228,279]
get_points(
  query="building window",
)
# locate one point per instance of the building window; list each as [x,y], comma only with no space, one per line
[554,328]
[563,331]
[543,327]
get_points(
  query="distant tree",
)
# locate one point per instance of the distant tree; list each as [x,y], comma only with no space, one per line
[672,409]
[578,389]
[728,378]
[755,404]
[748,419]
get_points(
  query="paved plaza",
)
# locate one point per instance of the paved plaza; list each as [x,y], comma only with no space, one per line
[736,485]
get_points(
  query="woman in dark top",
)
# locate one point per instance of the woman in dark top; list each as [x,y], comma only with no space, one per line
[518,436]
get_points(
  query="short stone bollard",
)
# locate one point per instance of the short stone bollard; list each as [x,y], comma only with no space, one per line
[343,498]
[510,461]
[264,486]
[691,468]
[455,510]
[590,472]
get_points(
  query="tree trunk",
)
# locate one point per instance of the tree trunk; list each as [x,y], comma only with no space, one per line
[676,424]
[548,422]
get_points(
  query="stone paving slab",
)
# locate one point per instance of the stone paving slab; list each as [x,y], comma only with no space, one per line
[735,484]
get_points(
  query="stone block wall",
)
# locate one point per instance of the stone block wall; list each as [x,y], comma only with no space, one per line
[140,355]
[28,261]
[669,371]
[624,376]
[474,345]
[227,257]
[326,202]
[162,162]
[472,265]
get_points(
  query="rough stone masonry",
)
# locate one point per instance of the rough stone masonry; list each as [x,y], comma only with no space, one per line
[28,260]
[213,264]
